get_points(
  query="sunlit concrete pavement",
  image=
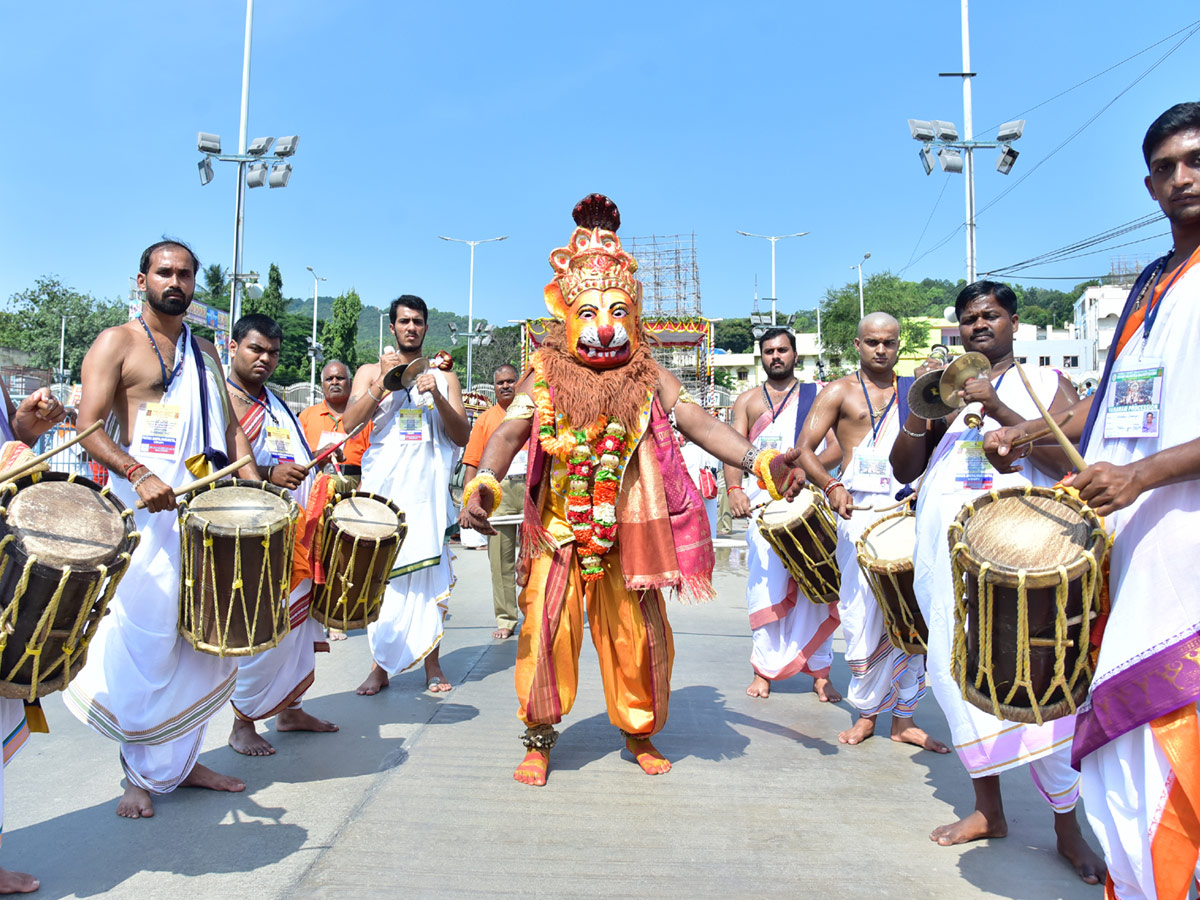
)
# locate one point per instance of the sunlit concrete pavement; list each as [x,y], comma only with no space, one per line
[414,796]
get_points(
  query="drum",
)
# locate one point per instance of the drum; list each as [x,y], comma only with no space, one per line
[803,534]
[885,555]
[65,543]
[1027,581]
[359,541]
[236,540]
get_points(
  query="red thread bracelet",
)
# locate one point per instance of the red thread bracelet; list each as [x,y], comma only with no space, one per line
[736,487]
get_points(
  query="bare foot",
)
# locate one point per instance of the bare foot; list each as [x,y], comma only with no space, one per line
[135,803]
[245,739]
[17,882]
[298,720]
[974,827]
[502,634]
[905,731]
[435,678]
[532,769]
[204,777]
[759,687]
[376,682]
[825,691]
[859,731]
[336,634]
[651,761]
[1075,850]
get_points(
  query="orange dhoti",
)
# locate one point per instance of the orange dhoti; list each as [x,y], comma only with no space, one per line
[629,629]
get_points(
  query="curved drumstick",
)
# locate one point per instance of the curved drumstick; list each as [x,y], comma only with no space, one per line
[21,468]
[1040,433]
[206,480]
[1067,447]
[332,448]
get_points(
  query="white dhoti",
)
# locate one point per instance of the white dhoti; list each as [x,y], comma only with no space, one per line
[16,732]
[412,619]
[143,685]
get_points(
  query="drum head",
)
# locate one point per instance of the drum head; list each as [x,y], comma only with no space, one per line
[231,507]
[779,511]
[66,524]
[365,517]
[891,539]
[1034,533]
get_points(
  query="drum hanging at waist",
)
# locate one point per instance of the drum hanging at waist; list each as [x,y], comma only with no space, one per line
[803,534]
[360,539]
[885,556]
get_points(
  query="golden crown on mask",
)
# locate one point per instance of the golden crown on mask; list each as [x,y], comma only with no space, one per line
[593,260]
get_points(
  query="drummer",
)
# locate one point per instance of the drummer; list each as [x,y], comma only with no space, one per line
[37,414]
[789,634]
[143,685]
[273,683]
[987,320]
[865,410]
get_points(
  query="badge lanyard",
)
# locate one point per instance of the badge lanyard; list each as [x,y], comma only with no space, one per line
[871,409]
[245,393]
[786,397]
[1153,307]
[167,379]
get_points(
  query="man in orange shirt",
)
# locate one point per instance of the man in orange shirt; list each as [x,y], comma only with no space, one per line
[322,421]
[502,546]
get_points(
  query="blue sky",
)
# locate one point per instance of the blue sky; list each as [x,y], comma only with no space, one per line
[476,120]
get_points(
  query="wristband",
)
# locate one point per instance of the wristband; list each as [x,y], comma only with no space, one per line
[131,468]
[829,488]
[379,399]
[913,434]
[736,487]
[487,481]
[762,468]
[138,483]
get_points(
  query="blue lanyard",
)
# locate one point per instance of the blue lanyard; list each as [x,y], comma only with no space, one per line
[786,397]
[871,409]
[166,379]
[245,393]
[1152,308]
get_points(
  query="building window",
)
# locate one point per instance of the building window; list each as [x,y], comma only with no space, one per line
[743,374]
[1070,362]
[953,340]
[1043,360]
[1023,360]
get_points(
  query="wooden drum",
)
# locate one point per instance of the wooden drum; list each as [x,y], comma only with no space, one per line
[1027,580]
[803,534]
[64,545]
[359,541]
[885,555]
[236,538]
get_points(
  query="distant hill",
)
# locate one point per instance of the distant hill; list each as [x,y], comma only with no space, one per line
[368,325]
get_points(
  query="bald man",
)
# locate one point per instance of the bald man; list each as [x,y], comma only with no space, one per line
[865,410]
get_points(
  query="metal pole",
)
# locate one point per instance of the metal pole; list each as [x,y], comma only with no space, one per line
[62,346]
[968,135]
[773,240]
[313,349]
[471,313]
[240,201]
[381,315]
[861,310]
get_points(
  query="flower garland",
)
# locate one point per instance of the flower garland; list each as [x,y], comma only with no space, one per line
[595,457]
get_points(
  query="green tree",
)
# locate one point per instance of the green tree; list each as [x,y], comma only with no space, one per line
[734,335]
[339,334]
[271,303]
[294,365]
[882,292]
[215,291]
[35,323]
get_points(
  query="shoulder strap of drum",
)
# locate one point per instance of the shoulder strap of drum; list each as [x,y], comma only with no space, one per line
[203,361]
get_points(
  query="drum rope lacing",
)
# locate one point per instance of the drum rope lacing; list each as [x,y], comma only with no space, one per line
[813,580]
[903,630]
[340,567]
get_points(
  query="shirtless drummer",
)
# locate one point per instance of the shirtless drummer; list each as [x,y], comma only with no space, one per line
[143,685]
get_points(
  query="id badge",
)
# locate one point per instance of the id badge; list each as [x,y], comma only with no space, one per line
[1133,407]
[158,430]
[871,472]
[411,424]
[279,444]
[972,471]
[328,438]
[769,442]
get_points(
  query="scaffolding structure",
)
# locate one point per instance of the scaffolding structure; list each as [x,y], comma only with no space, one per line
[668,273]
[1125,269]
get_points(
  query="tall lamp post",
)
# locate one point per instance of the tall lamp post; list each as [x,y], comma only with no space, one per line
[471,295]
[253,162]
[861,311]
[314,348]
[773,238]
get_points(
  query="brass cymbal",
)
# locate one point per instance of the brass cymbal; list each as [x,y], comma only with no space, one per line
[925,396]
[955,376]
[404,375]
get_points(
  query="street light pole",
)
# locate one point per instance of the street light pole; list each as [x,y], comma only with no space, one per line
[62,345]
[313,348]
[861,310]
[968,136]
[239,209]
[773,238]
[381,317]
[471,295]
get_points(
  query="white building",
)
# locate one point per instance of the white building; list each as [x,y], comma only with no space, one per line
[746,371]
[1096,315]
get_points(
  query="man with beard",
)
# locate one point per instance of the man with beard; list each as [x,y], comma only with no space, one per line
[864,410]
[322,422]
[143,685]
[951,456]
[604,472]
[273,683]
[790,634]
[1137,742]
[415,434]
[502,546]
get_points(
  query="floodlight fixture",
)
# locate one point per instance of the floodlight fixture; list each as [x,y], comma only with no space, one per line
[253,290]
[951,160]
[280,175]
[1010,131]
[926,154]
[945,131]
[259,146]
[286,146]
[256,175]
[208,143]
[1008,156]
[921,130]
[206,170]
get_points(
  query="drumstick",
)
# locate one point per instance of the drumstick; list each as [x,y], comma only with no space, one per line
[329,451]
[1067,447]
[1040,433]
[21,468]
[206,480]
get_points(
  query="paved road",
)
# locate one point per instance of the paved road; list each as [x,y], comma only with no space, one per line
[414,795]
